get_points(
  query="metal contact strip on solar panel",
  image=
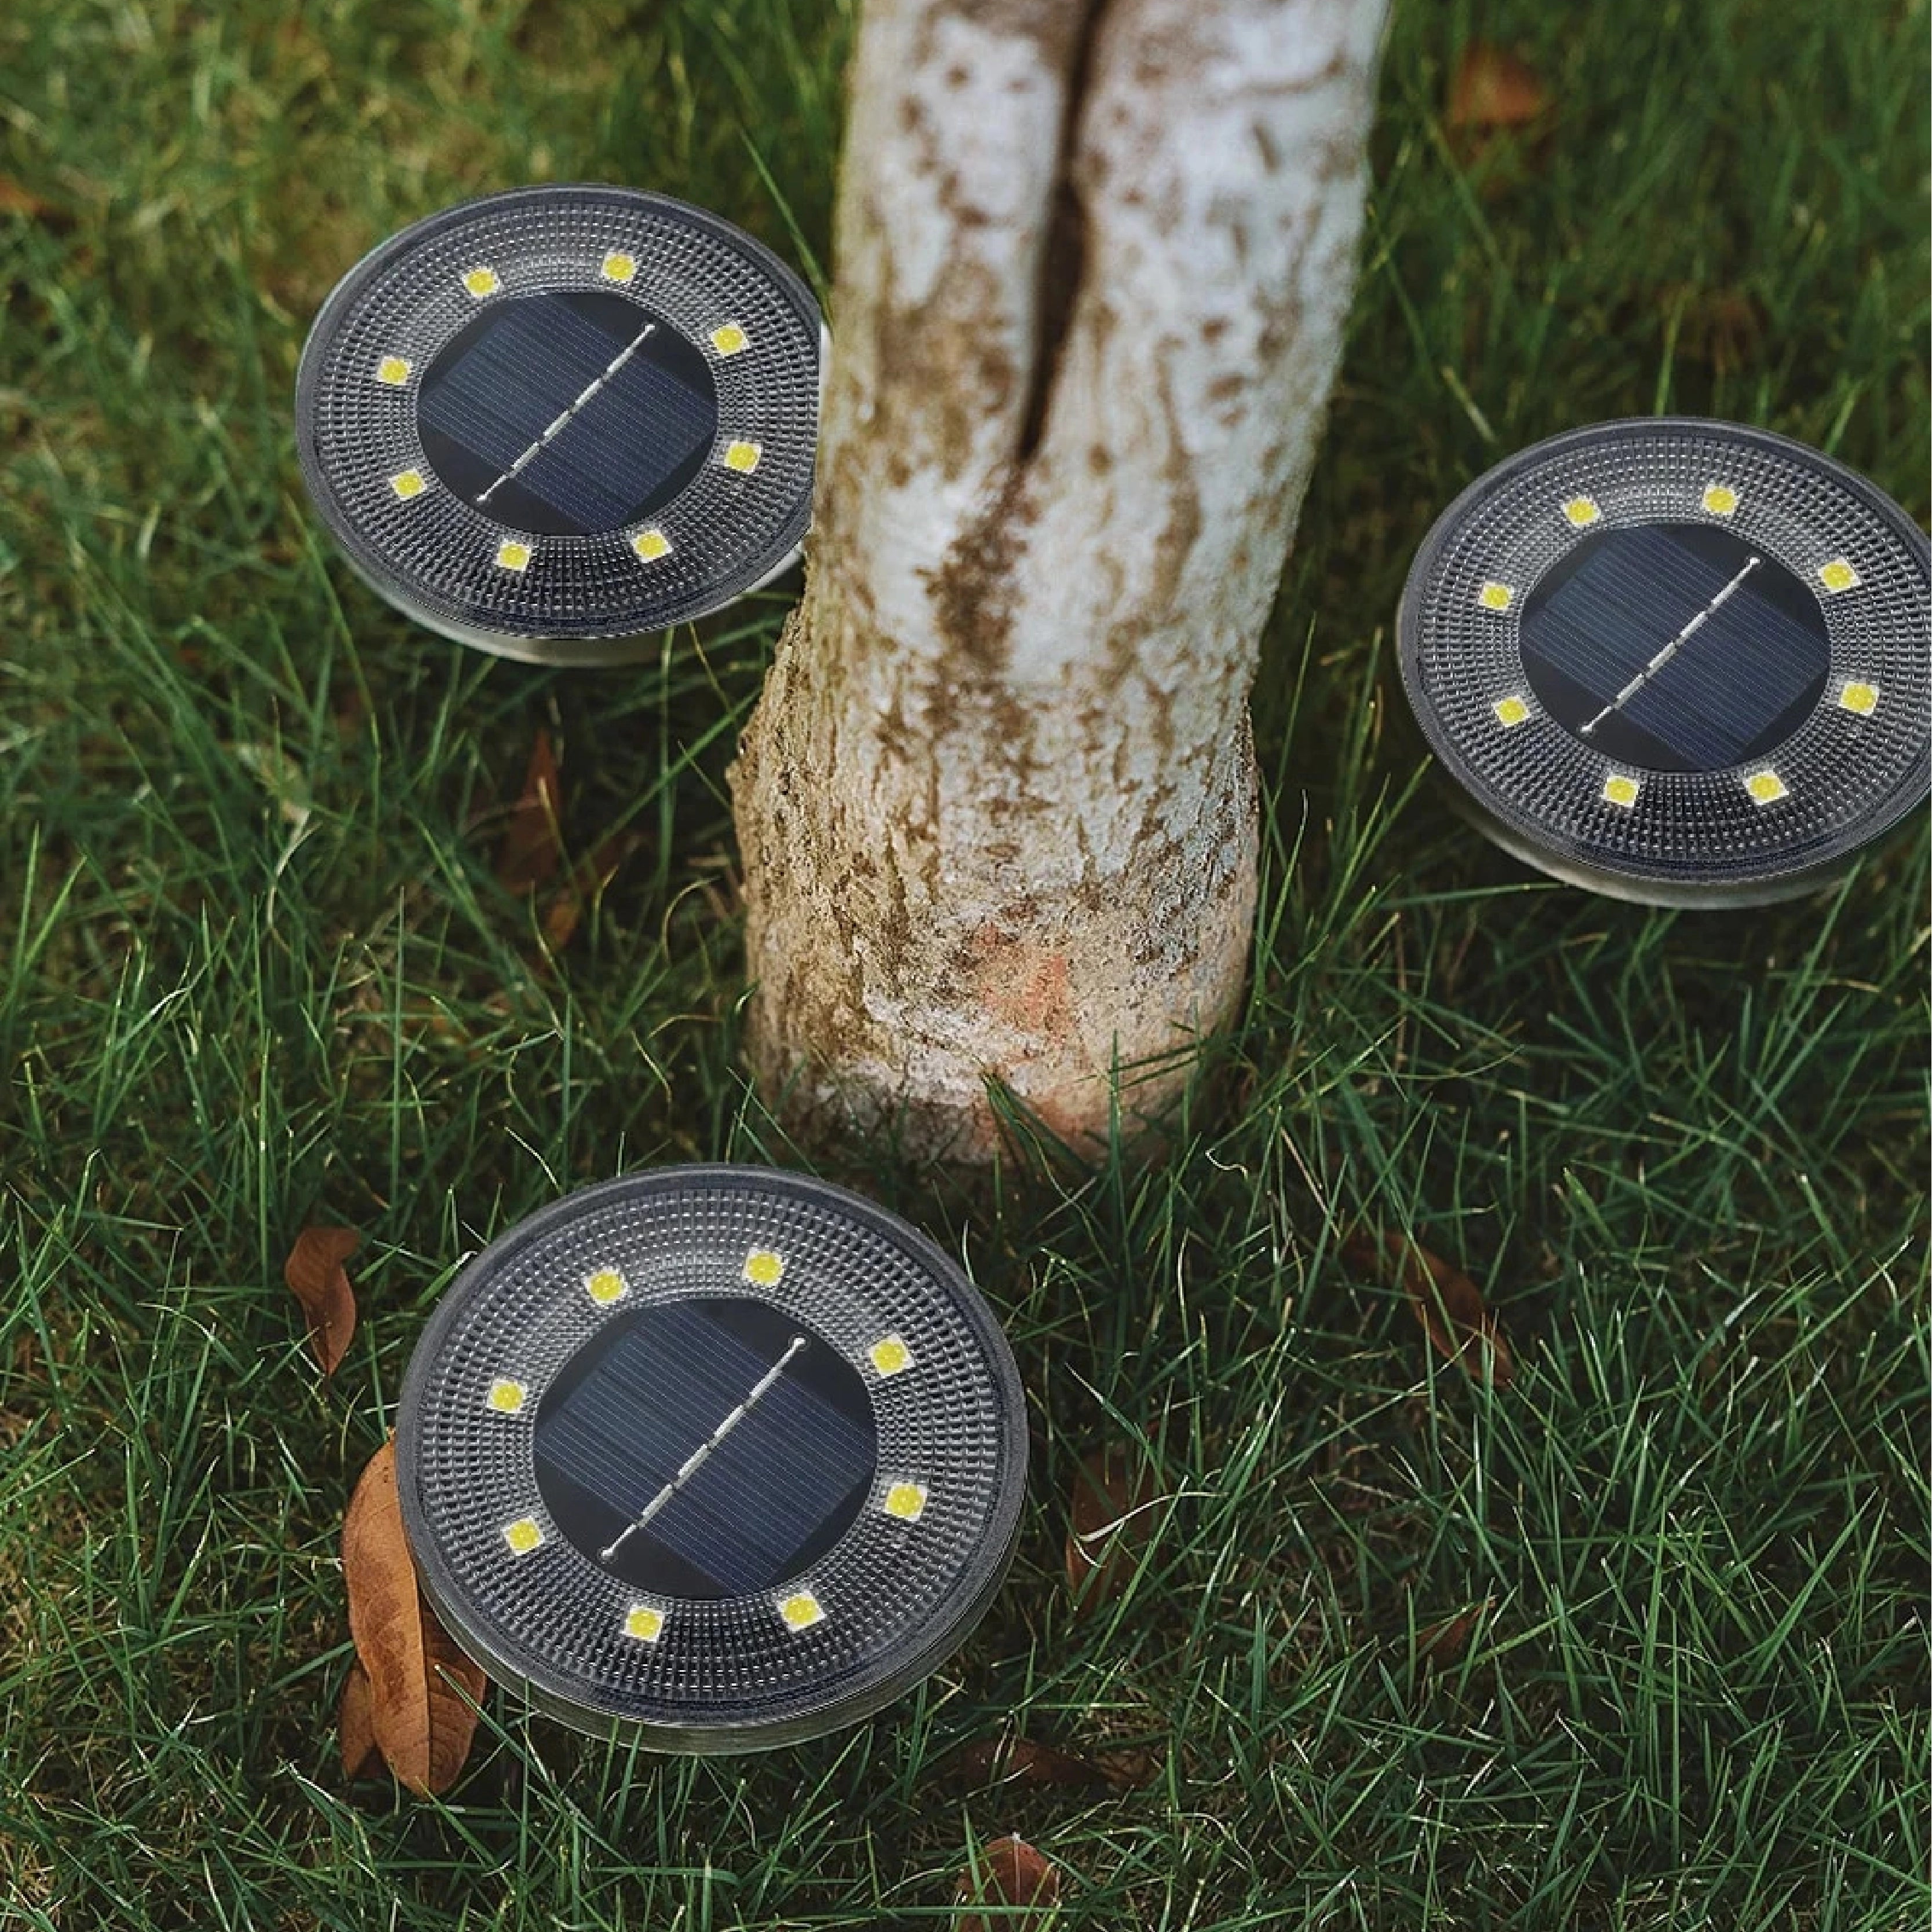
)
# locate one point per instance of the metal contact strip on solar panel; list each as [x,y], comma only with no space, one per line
[1676,661]
[551,422]
[718,1458]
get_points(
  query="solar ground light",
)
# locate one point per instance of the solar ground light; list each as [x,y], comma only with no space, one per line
[714,1458]
[1676,661]
[552,422]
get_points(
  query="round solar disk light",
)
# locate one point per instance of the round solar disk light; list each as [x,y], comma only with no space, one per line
[552,421]
[1676,661]
[715,1458]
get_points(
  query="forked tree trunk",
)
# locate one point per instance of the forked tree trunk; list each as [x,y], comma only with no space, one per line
[997,806]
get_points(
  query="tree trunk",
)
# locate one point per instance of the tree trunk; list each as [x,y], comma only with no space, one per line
[997,804]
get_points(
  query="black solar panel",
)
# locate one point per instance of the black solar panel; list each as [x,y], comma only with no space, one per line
[638,430]
[654,1397]
[1735,678]
[514,376]
[566,414]
[1760,656]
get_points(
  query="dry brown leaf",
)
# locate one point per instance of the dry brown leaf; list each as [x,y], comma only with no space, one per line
[581,891]
[423,1691]
[1007,1872]
[1444,1645]
[1493,87]
[1724,327]
[532,846]
[1109,1526]
[317,1278]
[15,200]
[1446,1303]
[356,1727]
[1023,1761]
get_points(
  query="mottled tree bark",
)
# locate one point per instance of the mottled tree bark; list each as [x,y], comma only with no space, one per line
[997,804]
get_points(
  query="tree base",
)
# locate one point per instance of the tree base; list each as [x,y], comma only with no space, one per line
[919,937]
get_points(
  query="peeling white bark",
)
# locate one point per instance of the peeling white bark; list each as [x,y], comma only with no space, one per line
[997,803]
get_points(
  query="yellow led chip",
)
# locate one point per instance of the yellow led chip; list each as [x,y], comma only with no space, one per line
[1580,512]
[1494,596]
[605,1285]
[742,457]
[1766,786]
[481,281]
[513,555]
[800,1610]
[651,544]
[618,267]
[394,370]
[505,1396]
[889,1354]
[1621,789]
[643,1622]
[763,1268]
[906,1500]
[1510,712]
[409,483]
[1856,695]
[729,339]
[1838,575]
[523,1535]
[1720,499]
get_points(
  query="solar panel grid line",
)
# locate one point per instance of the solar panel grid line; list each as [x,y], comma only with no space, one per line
[720,1369]
[735,1529]
[637,431]
[823,1451]
[1599,626]
[739,1465]
[734,1561]
[514,379]
[559,483]
[819,1426]
[756,1516]
[739,1549]
[1591,642]
[1679,638]
[1751,659]
[1755,661]
[593,1438]
[650,392]
[562,421]
[1686,728]
[771,1461]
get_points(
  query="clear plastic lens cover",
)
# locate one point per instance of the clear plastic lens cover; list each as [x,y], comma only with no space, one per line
[720,1457]
[563,413]
[1677,658]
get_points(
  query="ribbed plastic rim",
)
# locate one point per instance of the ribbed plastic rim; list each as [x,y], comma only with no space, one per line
[1698,839]
[840,1674]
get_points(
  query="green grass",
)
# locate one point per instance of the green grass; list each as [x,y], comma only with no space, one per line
[1685,1155]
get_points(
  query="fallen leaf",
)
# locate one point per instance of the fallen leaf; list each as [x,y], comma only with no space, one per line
[581,890]
[532,846]
[1493,87]
[423,1691]
[1011,1760]
[1446,1303]
[1110,1525]
[1725,328]
[15,200]
[1008,1872]
[317,1278]
[356,1727]
[1442,1646]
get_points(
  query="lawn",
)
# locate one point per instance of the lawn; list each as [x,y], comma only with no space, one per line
[257,970]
